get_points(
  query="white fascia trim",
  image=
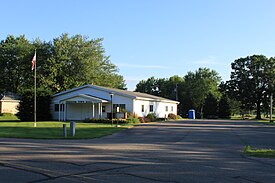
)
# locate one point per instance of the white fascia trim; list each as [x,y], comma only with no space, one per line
[87,97]
[95,87]
[157,100]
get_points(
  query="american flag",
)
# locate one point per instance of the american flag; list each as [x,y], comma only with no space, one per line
[33,60]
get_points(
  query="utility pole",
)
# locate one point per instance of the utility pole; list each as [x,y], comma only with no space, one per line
[176,92]
[271,107]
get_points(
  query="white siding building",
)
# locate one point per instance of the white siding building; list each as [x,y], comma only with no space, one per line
[9,103]
[90,101]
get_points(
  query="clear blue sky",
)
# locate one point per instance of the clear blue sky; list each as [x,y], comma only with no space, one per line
[158,38]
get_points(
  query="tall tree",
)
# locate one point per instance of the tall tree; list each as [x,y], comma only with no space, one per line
[149,86]
[174,88]
[224,109]
[249,81]
[77,61]
[197,86]
[161,86]
[211,106]
[66,63]
[44,67]
[228,105]
[169,88]
[15,52]
[191,90]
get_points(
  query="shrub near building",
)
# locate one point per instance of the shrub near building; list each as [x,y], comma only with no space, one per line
[172,116]
[151,117]
[26,105]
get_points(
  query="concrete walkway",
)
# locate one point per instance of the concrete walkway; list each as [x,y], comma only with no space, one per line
[183,151]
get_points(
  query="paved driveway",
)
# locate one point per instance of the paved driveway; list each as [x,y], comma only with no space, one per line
[183,151]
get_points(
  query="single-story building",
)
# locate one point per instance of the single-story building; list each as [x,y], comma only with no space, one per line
[9,103]
[91,101]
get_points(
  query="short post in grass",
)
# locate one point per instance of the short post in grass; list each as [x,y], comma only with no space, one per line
[72,128]
[117,111]
[64,130]
[112,110]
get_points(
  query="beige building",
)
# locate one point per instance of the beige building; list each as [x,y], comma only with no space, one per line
[9,103]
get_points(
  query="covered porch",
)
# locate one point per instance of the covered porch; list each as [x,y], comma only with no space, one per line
[81,107]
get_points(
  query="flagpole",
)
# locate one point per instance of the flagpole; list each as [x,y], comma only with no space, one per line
[35,92]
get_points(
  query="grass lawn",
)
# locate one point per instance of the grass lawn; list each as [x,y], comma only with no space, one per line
[262,153]
[8,117]
[264,120]
[54,130]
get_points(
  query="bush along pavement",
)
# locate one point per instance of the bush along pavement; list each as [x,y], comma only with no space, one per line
[26,105]
[172,116]
[106,121]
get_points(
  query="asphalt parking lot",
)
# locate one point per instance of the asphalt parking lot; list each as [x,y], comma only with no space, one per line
[182,151]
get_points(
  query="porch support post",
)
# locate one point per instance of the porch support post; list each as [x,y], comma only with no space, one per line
[101,104]
[65,111]
[59,111]
[93,110]
[99,110]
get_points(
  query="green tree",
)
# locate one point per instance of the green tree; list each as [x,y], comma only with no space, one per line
[227,98]
[224,109]
[271,83]
[26,106]
[174,88]
[197,86]
[66,63]
[161,86]
[211,106]
[149,86]
[249,81]
[44,67]
[191,90]
[168,88]
[15,63]
[77,61]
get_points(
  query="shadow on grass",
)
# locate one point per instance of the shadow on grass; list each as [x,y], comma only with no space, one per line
[55,133]
[11,120]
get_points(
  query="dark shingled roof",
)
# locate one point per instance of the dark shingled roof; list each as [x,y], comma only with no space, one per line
[134,94]
[8,96]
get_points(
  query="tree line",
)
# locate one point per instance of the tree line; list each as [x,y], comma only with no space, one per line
[71,61]
[62,64]
[252,82]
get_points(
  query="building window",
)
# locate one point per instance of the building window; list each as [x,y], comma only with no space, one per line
[103,108]
[172,108]
[151,108]
[166,108]
[120,107]
[56,107]
[142,108]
